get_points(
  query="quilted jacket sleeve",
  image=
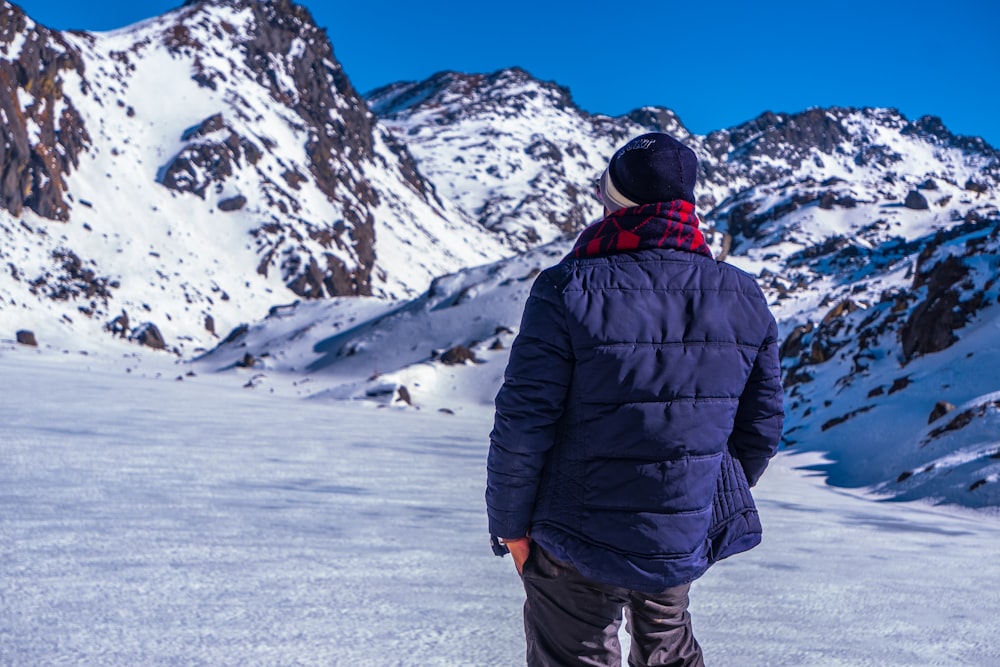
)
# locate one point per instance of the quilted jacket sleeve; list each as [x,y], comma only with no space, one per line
[760,415]
[528,409]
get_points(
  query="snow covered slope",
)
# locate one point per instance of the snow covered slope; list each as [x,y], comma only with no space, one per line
[196,169]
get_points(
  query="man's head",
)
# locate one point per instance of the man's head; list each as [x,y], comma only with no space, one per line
[652,168]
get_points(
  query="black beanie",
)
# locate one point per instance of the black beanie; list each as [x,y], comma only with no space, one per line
[652,168]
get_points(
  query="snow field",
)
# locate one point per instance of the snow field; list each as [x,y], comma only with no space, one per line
[163,522]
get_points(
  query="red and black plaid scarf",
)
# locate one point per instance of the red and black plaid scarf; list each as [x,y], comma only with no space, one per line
[664,225]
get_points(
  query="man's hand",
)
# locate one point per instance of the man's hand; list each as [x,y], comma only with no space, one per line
[519,548]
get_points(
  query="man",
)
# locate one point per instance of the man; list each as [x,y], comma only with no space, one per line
[641,402]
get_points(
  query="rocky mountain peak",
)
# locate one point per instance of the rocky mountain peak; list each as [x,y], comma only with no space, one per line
[932,129]
[511,92]
[277,45]
[516,154]
[659,119]
[291,57]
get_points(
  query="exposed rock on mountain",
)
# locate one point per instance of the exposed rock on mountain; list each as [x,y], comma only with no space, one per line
[42,133]
[777,164]
[205,160]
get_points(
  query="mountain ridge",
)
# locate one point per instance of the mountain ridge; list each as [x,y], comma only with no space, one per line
[213,170]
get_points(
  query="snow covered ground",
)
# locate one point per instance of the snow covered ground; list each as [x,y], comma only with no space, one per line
[152,520]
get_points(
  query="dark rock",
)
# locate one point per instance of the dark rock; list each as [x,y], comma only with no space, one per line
[956,423]
[293,178]
[741,222]
[340,132]
[247,361]
[796,376]
[836,421]
[845,307]
[236,334]
[26,337]
[148,334]
[233,203]
[119,326]
[739,218]
[941,408]
[931,324]
[792,345]
[832,245]
[458,355]
[658,119]
[916,201]
[899,384]
[210,324]
[403,394]
[818,352]
[790,137]
[977,187]
[178,39]
[199,165]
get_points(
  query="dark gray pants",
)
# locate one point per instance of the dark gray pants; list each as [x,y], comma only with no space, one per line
[572,620]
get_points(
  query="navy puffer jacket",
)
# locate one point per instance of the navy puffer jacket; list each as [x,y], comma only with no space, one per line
[641,401]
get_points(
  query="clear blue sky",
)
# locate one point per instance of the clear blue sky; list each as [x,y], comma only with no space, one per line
[716,64]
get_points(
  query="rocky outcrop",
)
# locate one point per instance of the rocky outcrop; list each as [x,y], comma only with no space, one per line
[941,408]
[42,134]
[213,153]
[789,137]
[931,326]
[71,278]
[291,58]
[340,140]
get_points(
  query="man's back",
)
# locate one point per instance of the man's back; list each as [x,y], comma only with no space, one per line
[662,344]
[641,401]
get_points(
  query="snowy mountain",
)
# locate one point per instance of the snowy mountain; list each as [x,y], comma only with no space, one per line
[193,170]
[515,154]
[209,181]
